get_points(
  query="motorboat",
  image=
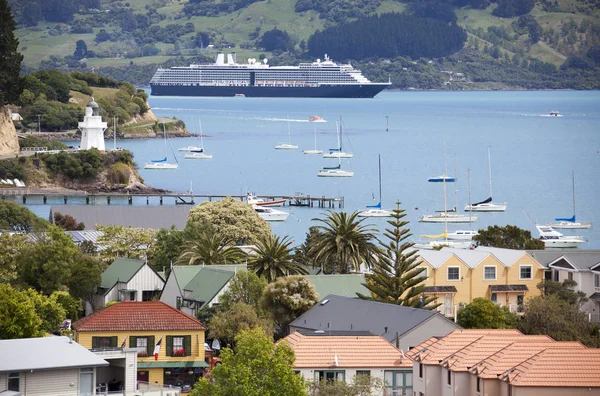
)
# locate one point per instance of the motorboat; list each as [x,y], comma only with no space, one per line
[315,150]
[375,210]
[487,205]
[269,214]
[288,145]
[571,222]
[254,200]
[554,239]
[198,156]
[462,235]
[338,152]
[316,118]
[554,113]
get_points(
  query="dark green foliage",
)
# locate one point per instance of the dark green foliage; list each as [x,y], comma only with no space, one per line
[12,169]
[594,54]
[513,8]
[80,50]
[96,80]
[508,237]
[14,217]
[85,164]
[276,39]
[273,258]
[388,36]
[67,222]
[210,8]
[166,250]
[484,314]
[32,141]
[10,58]
[339,11]
[475,4]
[565,291]
[528,24]
[576,62]
[438,9]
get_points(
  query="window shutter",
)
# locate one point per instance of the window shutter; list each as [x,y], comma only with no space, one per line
[187,345]
[94,342]
[114,341]
[150,345]
[132,342]
[169,346]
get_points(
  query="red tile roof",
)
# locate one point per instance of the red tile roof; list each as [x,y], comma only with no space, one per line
[138,316]
[362,351]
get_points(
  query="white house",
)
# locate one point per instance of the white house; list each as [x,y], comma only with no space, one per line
[49,366]
[128,280]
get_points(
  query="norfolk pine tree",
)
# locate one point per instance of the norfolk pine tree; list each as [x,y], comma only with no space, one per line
[396,277]
[10,58]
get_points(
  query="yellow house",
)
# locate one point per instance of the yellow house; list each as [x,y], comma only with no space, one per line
[170,343]
[458,276]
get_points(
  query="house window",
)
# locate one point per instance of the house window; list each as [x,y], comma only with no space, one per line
[420,370]
[330,375]
[184,377]
[525,272]
[14,381]
[179,345]
[489,273]
[86,381]
[449,377]
[556,276]
[145,345]
[453,273]
[597,280]
[398,382]
[494,298]
[104,342]
[478,384]
[570,275]
[365,373]
[149,295]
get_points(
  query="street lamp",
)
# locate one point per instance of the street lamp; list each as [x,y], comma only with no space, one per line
[39,125]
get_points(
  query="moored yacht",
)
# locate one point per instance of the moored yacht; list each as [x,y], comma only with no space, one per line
[269,214]
[462,235]
[254,200]
[554,239]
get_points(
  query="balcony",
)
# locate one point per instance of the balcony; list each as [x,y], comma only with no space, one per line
[143,389]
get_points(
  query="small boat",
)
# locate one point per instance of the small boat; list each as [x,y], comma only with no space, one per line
[199,153]
[447,217]
[198,156]
[162,163]
[194,149]
[239,95]
[441,244]
[269,214]
[554,239]
[375,210]
[442,178]
[254,200]
[338,152]
[487,205]
[315,150]
[462,235]
[571,222]
[316,118]
[335,172]
[288,145]
[554,113]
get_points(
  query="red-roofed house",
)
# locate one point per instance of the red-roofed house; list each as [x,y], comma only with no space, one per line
[142,325]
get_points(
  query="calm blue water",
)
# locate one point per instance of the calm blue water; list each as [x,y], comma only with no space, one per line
[532,153]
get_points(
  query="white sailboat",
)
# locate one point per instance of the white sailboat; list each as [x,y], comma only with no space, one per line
[162,163]
[487,205]
[288,145]
[200,153]
[375,210]
[338,152]
[464,235]
[335,171]
[315,150]
[571,222]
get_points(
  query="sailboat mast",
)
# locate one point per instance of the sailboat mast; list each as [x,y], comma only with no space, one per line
[201,133]
[455,189]
[573,176]
[469,181]
[379,179]
[340,137]
[445,212]
[490,170]
[289,133]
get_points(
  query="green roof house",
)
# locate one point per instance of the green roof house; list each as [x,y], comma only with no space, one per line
[128,280]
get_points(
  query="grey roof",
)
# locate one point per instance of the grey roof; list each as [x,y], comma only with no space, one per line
[595,297]
[46,353]
[120,270]
[435,258]
[339,284]
[155,217]
[507,256]
[346,313]
[508,288]
[340,333]
[82,236]
[471,258]
[580,259]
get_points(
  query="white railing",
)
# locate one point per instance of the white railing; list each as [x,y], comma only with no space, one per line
[143,389]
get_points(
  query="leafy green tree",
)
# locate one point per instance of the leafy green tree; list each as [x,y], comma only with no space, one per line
[50,312]
[18,318]
[304,256]
[234,219]
[245,287]
[47,264]
[344,240]
[67,222]
[70,304]
[484,314]
[226,324]
[85,278]
[396,277]
[508,237]
[276,39]
[205,246]
[10,61]
[166,249]
[287,298]
[564,291]
[258,367]
[11,247]
[80,50]
[361,385]
[126,242]
[558,319]
[273,258]
[14,217]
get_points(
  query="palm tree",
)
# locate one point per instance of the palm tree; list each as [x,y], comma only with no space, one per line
[345,241]
[273,259]
[207,247]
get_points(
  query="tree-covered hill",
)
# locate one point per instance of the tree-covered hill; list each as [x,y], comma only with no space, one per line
[523,39]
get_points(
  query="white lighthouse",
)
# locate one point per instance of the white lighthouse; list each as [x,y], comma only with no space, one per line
[92,128]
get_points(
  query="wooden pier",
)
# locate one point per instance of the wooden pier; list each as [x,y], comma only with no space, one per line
[34,196]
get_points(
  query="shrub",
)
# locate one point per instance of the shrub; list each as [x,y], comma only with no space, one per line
[119,174]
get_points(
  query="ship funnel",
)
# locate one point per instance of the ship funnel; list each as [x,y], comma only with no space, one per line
[230,59]
[234,57]
[220,59]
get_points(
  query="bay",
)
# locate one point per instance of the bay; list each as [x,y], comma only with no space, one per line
[532,153]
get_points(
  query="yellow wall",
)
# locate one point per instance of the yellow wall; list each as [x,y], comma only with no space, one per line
[537,272]
[197,352]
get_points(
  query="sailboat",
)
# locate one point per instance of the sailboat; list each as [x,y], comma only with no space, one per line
[375,210]
[571,222]
[288,145]
[436,242]
[315,151]
[199,154]
[335,171]
[464,235]
[337,152]
[487,205]
[162,163]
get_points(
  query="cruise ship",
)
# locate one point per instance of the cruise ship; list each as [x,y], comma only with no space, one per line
[320,79]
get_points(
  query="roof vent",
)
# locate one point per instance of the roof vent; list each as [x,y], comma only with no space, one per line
[319,332]
[324,302]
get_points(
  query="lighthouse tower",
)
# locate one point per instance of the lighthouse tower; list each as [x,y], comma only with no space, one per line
[92,128]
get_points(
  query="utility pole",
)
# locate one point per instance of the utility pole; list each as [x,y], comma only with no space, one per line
[39,125]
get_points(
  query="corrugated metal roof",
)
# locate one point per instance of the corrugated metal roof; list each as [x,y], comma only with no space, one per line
[435,258]
[120,270]
[346,285]
[44,354]
[507,256]
[207,283]
[471,258]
